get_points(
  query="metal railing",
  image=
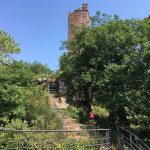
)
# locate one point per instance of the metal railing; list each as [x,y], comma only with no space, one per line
[129,141]
[87,139]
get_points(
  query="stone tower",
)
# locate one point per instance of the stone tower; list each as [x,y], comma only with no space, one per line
[78,18]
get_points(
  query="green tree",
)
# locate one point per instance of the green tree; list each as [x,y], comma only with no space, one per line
[39,69]
[110,60]
[22,99]
[14,83]
[8,46]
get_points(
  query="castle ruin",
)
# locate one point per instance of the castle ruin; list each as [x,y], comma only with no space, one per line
[78,18]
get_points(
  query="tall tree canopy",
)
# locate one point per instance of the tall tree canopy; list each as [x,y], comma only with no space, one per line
[23,103]
[111,60]
[8,46]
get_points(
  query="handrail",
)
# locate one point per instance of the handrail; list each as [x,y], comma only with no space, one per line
[3,129]
[129,140]
[94,138]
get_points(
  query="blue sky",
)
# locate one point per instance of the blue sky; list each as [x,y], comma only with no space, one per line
[39,26]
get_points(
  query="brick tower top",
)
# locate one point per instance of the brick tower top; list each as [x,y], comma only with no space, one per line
[78,18]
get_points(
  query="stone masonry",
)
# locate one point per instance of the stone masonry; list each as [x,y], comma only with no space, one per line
[78,18]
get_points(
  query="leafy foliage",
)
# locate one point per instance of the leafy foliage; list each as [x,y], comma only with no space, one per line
[8,46]
[23,103]
[39,69]
[109,63]
[21,98]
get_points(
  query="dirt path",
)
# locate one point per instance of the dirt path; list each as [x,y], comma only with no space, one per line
[71,124]
[56,104]
[68,122]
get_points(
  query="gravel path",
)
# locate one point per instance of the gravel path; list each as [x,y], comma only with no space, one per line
[68,122]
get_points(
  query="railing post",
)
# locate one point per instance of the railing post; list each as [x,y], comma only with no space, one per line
[19,141]
[98,131]
[140,146]
[118,136]
[120,139]
[130,141]
[107,138]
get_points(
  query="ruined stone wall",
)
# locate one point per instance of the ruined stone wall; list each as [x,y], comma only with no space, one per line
[77,18]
